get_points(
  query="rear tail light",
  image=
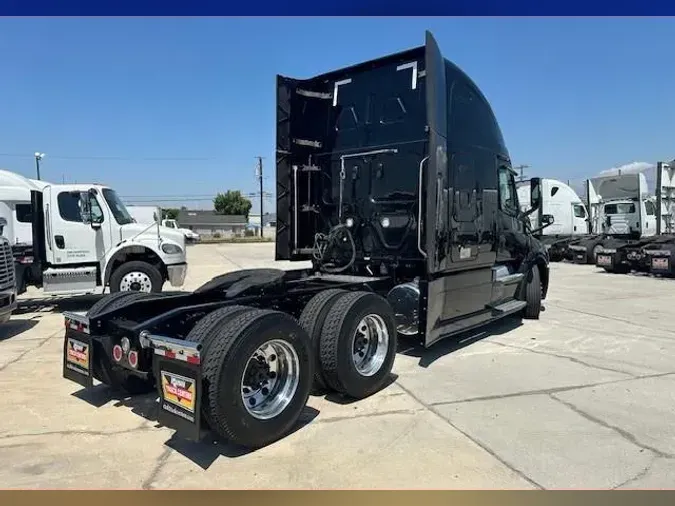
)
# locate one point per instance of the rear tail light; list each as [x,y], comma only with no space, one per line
[133,359]
[117,352]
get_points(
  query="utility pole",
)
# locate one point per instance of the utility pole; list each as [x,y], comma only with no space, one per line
[38,156]
[259,173]
[521,169]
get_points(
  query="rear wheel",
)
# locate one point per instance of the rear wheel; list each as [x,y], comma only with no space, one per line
[204,333]
[260,369]
[312,320]
[594,253]
[358,344]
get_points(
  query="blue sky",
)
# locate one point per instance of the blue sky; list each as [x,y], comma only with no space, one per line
[573,96]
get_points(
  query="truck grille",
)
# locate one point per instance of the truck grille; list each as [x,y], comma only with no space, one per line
[6,264]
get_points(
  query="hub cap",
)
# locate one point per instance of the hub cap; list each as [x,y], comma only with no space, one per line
[270,379]
[136,282]
[370,344]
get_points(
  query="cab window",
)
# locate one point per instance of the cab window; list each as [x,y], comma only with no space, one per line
[579,211]
[508,199]
[69,207]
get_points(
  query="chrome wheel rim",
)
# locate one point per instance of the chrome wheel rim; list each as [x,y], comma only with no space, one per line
[370,344]
[136,282]
[270,379]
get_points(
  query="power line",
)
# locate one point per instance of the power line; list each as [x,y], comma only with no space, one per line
[118,158]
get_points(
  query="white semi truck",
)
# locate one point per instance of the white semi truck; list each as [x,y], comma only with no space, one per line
[623,211]
[83,239]
[560,208]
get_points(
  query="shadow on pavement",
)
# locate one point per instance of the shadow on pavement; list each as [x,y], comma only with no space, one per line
[449,345]
[203,453]
[15,327]
[55,304]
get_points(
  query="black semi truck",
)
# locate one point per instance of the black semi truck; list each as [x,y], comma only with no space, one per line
[393,179]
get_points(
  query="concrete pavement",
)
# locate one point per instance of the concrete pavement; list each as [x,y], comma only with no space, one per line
[582,398]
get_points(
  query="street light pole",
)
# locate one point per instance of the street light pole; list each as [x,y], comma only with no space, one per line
[260,180]
[38,157]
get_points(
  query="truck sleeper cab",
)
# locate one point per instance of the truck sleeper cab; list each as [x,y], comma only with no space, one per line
[560,209]
[394,181]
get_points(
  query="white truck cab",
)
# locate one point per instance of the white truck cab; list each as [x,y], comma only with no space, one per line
[91,240]
[190,235]
[622,206]
[561,202]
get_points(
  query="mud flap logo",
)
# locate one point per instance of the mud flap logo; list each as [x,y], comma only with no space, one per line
[179,390]
[77,354]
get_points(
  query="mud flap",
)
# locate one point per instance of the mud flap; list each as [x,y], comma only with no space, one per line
[177,367]
[77,351]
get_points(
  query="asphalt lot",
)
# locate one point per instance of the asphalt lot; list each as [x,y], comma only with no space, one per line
[582,398]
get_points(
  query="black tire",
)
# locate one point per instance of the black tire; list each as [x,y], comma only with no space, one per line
[336,343]
[532,294]
[312,320]
[593,253]
[204,332]
[156,279]
[115,377]
[226,363]
[113,301]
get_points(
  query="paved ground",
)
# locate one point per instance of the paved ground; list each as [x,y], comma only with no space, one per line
[583,398]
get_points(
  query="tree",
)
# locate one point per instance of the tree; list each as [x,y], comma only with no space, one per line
[170,213]
[232,203]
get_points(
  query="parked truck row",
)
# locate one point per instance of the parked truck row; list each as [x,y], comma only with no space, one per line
[621,225]
[396,184]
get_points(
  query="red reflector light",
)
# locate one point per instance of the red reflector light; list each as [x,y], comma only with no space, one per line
[117,352]
[133,359]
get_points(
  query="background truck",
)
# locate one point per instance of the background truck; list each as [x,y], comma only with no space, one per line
[411,228]
[561,208]
[8,302]
[623,212]
[652,250]
[190,235]
[83,239]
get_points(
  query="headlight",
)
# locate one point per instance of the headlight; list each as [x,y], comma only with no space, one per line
[171,249]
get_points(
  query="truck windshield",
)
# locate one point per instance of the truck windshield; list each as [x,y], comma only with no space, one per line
[117,207]
[620,208]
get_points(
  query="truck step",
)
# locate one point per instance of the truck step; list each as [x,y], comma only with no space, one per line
[509,307]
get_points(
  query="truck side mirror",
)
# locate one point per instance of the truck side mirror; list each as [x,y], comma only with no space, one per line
[546,221]
[3,224]
[88,216]
[535,193]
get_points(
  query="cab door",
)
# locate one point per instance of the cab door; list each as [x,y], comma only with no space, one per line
[579,219]
[70,238]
